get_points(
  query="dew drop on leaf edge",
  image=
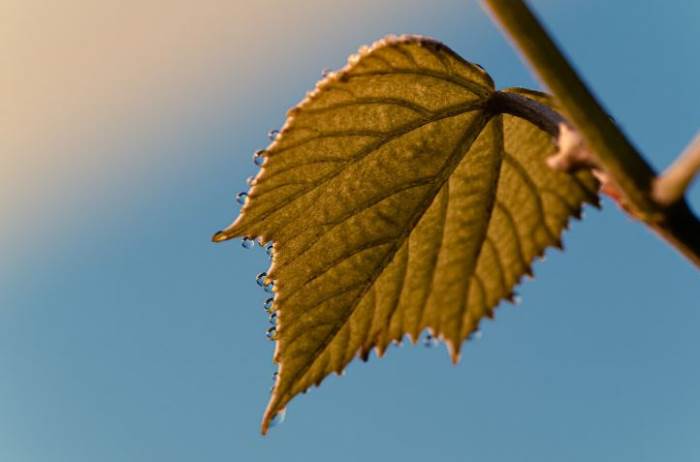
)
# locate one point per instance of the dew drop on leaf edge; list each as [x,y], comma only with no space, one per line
[259,157]
[475,335]
[241,197]
[279,418]
[268,304]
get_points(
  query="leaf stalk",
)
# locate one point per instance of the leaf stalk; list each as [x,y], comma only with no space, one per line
[671,185]
[636,181]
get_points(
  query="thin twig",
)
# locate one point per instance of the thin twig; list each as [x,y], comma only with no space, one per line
[671,185]
[627,170]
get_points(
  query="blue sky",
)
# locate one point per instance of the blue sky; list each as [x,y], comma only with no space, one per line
[126,335]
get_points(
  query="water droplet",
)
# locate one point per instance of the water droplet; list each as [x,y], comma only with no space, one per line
[262,280]
[274,381]
[517,300]
[250,180]
[259,157]
[273,318]
[476,334]
[269,288]
[241,197]
[271,333]
[269,250]
[325,72]
[268,304]
[247,243]
[429,341]
[273,134]
[278,419]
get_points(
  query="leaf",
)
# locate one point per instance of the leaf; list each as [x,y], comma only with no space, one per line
[398,200]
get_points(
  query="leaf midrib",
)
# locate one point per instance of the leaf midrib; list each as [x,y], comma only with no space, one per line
[392,135]
[463,146]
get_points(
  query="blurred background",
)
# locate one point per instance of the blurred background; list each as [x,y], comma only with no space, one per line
[126,130]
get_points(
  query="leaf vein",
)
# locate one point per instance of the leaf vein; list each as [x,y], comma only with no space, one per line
[499,263]
[359,209]
[503,208]
[445,203]
[472,87]
[532,187]
[337,261]
[458,153]
[387,101]
[395,134]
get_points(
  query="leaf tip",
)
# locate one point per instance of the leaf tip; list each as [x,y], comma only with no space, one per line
[273,413]
[513,298]
[379,350]
[364,355]
[454,350]
[265,424]
[529,272]
[219,236]
[230,232]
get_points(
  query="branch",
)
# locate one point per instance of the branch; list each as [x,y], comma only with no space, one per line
[672,184]
[617,158]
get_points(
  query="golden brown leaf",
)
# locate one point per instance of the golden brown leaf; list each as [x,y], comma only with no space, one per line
[398,201]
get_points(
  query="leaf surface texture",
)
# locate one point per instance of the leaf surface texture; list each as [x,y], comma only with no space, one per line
[398,202]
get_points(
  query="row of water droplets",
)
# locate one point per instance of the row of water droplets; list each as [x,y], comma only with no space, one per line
[248,243]
[258,160]
[430,341]
[262,279]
